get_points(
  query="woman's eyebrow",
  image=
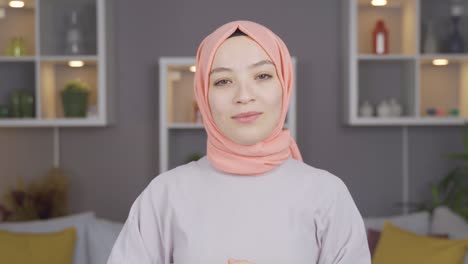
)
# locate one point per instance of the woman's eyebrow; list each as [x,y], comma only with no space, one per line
[260,63]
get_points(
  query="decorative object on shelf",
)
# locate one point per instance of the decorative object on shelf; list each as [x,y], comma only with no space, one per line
[431,111]
[440,112]
[430,44]
[380,38]
[454,112]
[27,104]
[395,108]
[366,109]
[383,109]
[4,111]
[16,47]
[74,35]
[44,198]
[2,12]
[75,99]
[22,103]
[16,103]
[455,43]
[197,117]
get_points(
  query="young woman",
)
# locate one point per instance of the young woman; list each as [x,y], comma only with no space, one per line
[251,199]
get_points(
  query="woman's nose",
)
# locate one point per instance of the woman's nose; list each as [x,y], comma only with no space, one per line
[244,94]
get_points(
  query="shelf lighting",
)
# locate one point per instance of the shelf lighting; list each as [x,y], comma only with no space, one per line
[16,4]
[440,62]
[379,2]
[193,69]
[76,64]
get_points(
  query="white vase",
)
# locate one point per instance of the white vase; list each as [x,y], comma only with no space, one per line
[366,109]
[395,108]
[383,110]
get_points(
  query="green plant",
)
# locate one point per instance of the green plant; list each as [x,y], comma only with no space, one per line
[452,190]
[76,86]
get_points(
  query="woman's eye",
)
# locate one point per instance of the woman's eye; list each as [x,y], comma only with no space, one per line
[264,76]
[221,82]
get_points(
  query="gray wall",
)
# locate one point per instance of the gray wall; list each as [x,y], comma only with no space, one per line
[110,166]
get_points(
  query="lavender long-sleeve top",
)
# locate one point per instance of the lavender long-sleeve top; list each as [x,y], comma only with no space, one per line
[195,214]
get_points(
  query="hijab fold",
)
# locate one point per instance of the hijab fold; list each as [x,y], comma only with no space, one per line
[224,154]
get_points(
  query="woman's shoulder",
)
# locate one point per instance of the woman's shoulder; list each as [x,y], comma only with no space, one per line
[179,174]
[314,177]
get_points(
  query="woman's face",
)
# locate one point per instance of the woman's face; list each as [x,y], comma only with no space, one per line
[244,91]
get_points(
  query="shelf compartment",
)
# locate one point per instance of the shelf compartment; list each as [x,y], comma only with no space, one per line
[438,13]
[16,76]
[383,80]
[180,95]
[444,87]
[183,144]
[55,20]
[18,22]
[400,19]
[54,75]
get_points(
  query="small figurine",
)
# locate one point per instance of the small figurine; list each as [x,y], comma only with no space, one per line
[366,109]
[383,110]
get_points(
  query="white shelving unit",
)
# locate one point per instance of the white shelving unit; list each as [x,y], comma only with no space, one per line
[406,73]
[179,136]
[44,70]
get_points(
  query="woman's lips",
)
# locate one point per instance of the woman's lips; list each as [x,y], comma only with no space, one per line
[247,117]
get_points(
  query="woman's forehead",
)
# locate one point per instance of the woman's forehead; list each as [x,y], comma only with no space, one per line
[240,51]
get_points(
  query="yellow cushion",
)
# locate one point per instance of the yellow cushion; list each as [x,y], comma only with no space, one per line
[37,248]
[403,247]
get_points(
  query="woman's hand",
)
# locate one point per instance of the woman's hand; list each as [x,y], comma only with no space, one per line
[233,261]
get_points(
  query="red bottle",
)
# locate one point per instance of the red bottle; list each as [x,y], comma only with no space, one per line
[380,38]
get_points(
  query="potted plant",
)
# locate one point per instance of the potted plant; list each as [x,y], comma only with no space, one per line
[451,190]
[75,98]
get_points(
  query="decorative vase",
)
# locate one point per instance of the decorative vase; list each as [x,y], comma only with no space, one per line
[380,38]
[74,35]
[395,108]
[455,42]
[383,110]
[430,41]
[27,104]
[75,103]
[16,47]
[366,109]
[4,111]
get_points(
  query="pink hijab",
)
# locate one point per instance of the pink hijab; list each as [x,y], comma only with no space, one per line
[224,154]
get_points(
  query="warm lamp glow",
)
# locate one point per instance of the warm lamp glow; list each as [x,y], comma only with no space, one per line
[379,2]
[16,4]
[76,64]
[193,69]
[440,62]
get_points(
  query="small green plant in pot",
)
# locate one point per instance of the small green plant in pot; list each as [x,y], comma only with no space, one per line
[75,98]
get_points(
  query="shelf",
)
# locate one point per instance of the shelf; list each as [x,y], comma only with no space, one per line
[444,87]
[55,19]
[54,76]
[438,14]
[408,121]
[384,80]
[89,58]
[18,22]
[68,122]
[400,20]
[15,77]
[386,57]
[185,126]
[17,59]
